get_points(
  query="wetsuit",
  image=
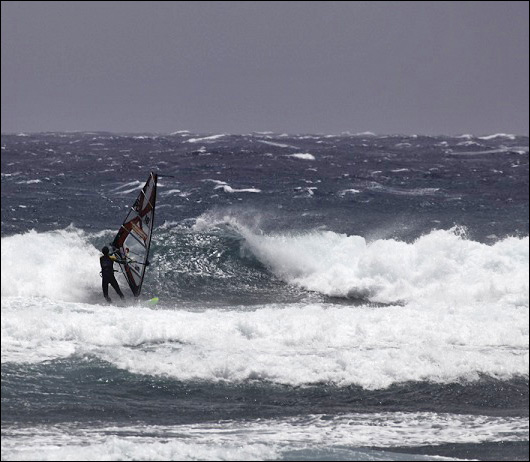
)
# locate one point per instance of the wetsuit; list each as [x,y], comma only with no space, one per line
[107,274]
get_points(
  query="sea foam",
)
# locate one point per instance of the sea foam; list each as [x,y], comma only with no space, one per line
[441,267]
[344,437]
[463,313]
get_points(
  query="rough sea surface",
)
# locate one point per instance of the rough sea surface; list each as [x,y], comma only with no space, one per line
[322,297]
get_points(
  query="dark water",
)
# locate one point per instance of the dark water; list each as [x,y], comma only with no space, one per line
[321,298]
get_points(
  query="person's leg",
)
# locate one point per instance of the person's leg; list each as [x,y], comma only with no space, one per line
[116,287]
[105,286]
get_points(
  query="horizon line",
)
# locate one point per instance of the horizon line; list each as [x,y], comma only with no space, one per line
[266,132]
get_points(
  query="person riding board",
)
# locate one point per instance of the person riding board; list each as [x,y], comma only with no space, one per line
[107,273]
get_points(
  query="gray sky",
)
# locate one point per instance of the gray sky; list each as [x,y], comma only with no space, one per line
[237,67]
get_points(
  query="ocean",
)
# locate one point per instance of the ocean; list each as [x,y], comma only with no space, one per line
[321,297]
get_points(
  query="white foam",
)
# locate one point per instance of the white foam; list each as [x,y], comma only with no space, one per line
[287,344]
[60,265]
[171,191]
[303,156]
[137,184]
[348,191]
[497,135]
[228,189]
[504,149]
[440,266]
[375,186]
[464,313]
[206,138]
[468,143]
[309,191]
[125,443]
[214,181]
[279,145]
[261,439]
[29,182]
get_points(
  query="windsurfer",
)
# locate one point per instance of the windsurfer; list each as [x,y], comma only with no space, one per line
[107,273]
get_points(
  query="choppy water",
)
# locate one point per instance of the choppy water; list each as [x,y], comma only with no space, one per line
[321,297]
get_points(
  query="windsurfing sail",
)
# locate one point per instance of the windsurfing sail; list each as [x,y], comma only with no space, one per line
[134,237]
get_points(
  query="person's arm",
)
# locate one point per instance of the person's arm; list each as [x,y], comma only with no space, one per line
[117,260]
[130,260]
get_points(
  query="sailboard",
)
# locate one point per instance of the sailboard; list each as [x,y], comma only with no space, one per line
[133,239]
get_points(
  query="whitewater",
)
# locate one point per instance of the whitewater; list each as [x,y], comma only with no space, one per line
[295,320]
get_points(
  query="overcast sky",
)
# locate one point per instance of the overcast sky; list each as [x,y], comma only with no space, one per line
[237,67]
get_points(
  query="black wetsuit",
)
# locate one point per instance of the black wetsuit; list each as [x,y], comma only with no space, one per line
[107,274]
